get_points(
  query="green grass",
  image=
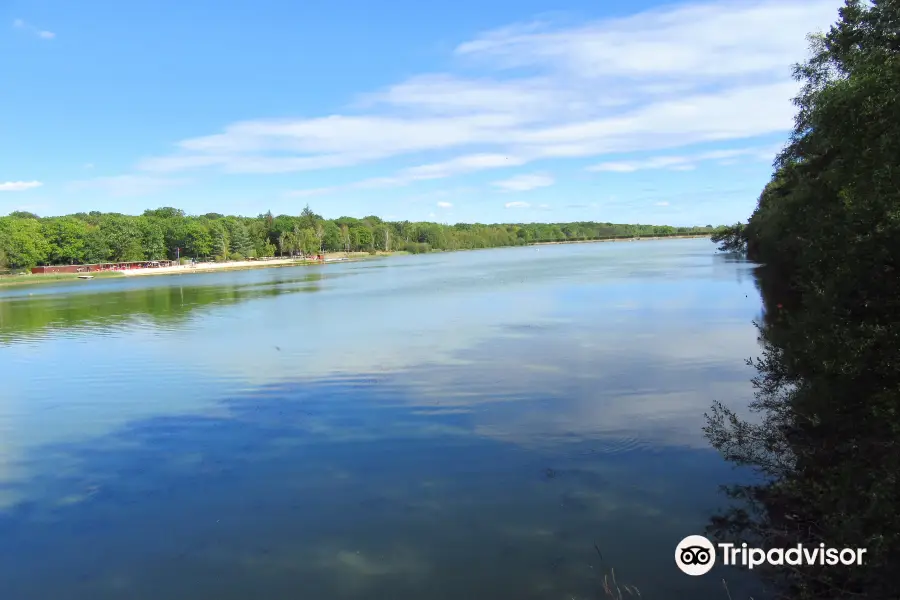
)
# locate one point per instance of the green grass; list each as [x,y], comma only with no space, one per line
[38,278]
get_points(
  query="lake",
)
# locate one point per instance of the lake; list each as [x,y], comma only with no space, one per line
[477,424]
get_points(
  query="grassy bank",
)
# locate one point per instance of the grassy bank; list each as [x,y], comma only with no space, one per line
[16,280]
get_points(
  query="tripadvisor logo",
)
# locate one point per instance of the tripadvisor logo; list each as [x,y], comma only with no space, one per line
[696,555]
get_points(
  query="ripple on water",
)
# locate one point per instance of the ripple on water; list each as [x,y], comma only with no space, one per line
[196,450]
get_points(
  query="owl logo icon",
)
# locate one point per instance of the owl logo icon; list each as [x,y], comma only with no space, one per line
[695,555]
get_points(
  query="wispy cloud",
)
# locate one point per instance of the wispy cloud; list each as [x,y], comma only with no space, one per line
[19,186]
[126,185]
[41,33]
[687,163]
[440,170]
[661,204]
[524,183]
[516,205]
[666,78]
[445,205]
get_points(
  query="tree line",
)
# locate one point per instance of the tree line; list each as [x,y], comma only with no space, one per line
[27,240]
[827,231]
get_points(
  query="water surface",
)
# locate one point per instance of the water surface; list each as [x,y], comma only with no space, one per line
[459,425]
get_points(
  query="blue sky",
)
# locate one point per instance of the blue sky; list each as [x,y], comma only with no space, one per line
[499,111]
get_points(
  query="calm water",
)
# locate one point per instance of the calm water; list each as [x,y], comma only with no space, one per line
[463,425]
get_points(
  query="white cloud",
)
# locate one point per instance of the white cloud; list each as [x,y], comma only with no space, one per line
[656,80]
[457,166]
[524,100]
[615,167]
[516,205]
[661,204]
[445,205]
[690,41]
[19,186]
[687,163]
[524,183]
[126,185]
[461,164]
[41,33]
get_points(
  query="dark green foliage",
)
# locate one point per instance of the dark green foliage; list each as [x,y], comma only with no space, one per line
[168,232]
[827,228]
[731,238]
[416,248]
[66,236]
[166,212]
[239,237]
[96,248]
[22,243]
[23,214]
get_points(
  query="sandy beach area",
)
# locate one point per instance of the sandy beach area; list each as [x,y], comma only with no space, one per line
[205,267]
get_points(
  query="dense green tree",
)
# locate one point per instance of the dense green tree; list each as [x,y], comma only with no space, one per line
[153,238]
[23,214]
[308,218]
[307,241]
[96,247]
[168,232]
[731,238]
[22,242]
[166,212]
[66,238]
[827,228]
[197,240]
[362,234]
[123,237]
[219,238]
[331,238]
[239,237]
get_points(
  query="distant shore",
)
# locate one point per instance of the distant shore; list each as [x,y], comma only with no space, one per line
[330,258]
[209,267]
[187,269]
[626,239]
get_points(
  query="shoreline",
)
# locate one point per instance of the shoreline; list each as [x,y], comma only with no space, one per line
[330,258]
[627,239]
[243,265]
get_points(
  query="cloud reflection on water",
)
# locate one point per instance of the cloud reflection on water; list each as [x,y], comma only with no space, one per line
[267,441]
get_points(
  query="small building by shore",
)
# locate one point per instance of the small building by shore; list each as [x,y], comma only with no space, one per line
[117,266]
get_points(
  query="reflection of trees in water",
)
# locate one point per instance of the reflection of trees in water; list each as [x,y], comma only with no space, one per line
[826,447]
[26,318]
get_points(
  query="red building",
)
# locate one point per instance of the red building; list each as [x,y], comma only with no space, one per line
[120,266]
